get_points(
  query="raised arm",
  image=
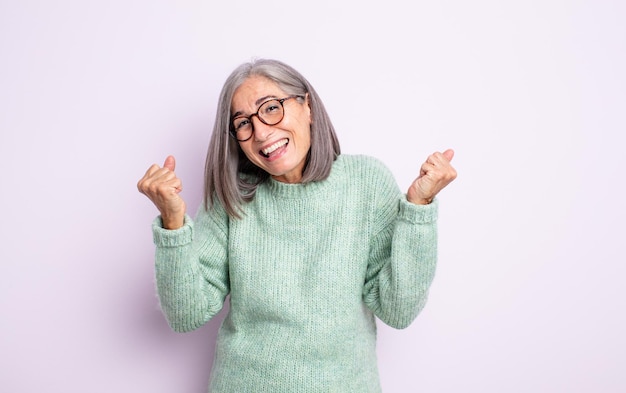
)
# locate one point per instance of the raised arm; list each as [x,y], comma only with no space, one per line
[191,256]
[403,250]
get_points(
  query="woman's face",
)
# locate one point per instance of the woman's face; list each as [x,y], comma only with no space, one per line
[279,149]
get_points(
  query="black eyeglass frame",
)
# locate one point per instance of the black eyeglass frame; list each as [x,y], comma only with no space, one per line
[233,131]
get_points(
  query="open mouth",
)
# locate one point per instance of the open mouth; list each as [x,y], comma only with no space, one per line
[272,149]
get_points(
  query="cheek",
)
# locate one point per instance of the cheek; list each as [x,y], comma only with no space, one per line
[306,137]
[247,150]
[303,134]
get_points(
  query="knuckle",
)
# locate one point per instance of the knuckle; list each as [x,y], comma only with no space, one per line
[142,186]
[154,189]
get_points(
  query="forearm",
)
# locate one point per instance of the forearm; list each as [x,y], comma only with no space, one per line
[402,271]
[190,286]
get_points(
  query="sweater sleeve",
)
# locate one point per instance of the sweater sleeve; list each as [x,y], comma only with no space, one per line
[402,258]
[192,269]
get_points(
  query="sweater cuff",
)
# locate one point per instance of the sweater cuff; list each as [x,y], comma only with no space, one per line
[172,237]
[418,214]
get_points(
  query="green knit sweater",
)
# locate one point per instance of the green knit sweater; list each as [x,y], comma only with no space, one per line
[307,268]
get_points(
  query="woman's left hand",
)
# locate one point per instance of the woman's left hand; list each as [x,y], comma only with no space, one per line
[435,174]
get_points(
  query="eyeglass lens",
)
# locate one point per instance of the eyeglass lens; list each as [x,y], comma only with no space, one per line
[270,112]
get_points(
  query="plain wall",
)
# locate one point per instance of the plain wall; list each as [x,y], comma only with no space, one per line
[529,293]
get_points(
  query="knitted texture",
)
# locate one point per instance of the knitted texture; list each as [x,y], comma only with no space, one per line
[307,268]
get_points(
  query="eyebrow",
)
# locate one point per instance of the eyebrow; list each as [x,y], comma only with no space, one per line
[257,103]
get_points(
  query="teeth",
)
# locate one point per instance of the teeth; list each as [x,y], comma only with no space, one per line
[268,150]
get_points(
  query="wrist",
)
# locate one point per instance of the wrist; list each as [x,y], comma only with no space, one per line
[172,222]
[419,201]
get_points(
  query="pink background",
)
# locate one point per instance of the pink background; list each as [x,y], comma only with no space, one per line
[529,294]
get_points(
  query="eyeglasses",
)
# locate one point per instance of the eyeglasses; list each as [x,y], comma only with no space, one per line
[271,112]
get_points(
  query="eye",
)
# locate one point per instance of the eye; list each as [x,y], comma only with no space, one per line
[271,107]
[241,123]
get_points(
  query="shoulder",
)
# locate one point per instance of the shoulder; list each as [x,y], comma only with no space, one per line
[212,215]
[364,167]
[375,182]
[376,190]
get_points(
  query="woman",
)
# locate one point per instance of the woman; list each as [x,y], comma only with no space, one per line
[309,244]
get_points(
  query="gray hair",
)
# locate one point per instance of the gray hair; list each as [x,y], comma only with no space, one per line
[228,175]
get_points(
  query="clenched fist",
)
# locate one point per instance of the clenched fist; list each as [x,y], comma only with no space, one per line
[435,174]
[162,187]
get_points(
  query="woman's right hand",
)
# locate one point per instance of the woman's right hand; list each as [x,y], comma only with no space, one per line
[162,187]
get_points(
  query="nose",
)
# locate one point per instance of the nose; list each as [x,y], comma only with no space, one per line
[262,131]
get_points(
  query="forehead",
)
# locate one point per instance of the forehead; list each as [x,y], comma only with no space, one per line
[253,91]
